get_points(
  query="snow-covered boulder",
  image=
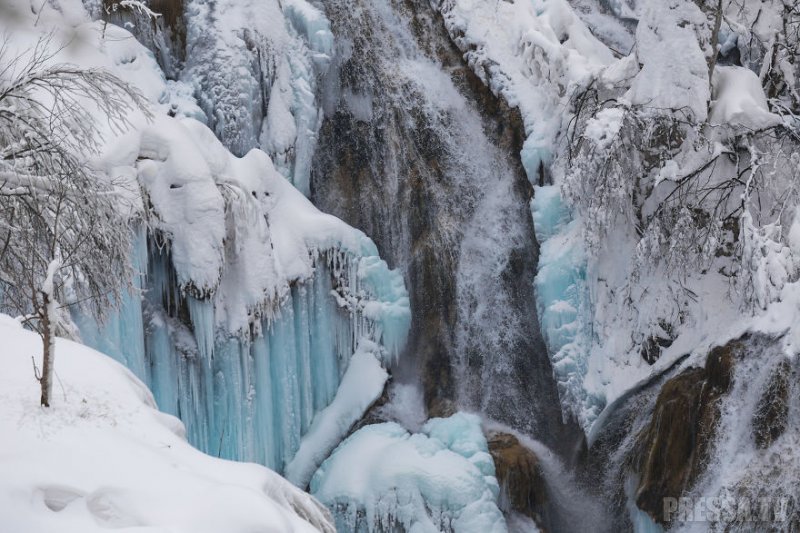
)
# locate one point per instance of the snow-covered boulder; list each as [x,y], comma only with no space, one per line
[104,457]
[441,479]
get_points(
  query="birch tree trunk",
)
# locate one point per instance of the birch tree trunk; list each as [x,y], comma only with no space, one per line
[48,351]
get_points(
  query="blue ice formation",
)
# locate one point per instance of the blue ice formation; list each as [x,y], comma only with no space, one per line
[563,300]
[382,478]
[251,395]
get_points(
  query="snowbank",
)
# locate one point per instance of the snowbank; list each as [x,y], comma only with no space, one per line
[104,457]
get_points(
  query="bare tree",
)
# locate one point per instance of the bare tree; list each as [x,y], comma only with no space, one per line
[63,232]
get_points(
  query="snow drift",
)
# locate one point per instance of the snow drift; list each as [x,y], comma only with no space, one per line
[104,457]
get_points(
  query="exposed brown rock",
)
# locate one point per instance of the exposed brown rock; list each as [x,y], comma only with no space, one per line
[673,449]
[522,484]
[373,414]
[171,11]
[772,413]
[442,408]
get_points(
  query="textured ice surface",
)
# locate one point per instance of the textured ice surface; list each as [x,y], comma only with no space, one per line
[256,301]
[563,300]
[254,66]
[441,479]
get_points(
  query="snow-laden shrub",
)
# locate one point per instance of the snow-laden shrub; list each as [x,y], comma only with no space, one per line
[686,197]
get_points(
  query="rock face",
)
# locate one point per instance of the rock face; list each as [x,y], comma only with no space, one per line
[672,449]
[522,484]
[416,152]
[772,414]
[165,36]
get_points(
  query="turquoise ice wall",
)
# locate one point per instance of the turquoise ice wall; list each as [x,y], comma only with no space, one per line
[251,395]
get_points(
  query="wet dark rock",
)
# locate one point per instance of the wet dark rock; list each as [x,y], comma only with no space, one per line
[772,414]
[522,483]
[374,413]
[656,343]
[673,448]
[165,36]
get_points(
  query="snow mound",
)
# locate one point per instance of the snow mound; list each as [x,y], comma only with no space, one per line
[103,457]
[441,479]
[674,71]
[362,384]
[739,99]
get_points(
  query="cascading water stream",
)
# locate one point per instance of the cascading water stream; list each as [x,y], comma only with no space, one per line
[416,152]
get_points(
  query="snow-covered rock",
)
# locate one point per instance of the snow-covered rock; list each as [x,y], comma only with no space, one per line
[532,53]
[674,69]
[441,479]
[361,386]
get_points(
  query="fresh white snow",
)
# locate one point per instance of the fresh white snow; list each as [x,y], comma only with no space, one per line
[102,456]
[362,384]
[739,100]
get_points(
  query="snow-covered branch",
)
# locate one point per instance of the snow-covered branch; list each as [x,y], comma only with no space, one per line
[60,221]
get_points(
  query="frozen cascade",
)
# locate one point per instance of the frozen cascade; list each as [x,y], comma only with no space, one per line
[121,336]
[255,393]
[562,299]
[247,395]
[255,70]
[418,153]
[271,333]
[252,66]
[486,339]
[253,300]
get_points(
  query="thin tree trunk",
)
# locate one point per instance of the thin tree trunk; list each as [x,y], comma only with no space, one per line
[48,341]
[712,63]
